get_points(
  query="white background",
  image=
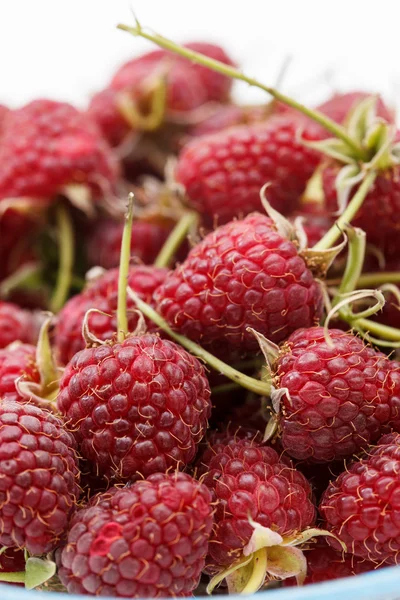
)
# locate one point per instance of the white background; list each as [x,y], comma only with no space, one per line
[66,49]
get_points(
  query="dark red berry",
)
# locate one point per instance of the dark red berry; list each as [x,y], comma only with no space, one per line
[39,478]
[17,361]
[136,407]
[148,540]
[16,324]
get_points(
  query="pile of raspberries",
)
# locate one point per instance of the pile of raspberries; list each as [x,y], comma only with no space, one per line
[229,423]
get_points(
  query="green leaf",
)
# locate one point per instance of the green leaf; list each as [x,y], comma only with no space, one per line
[38,571]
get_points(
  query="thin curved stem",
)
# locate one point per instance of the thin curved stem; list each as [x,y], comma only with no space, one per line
[122,317]
[187,222]
[348,215]
[66,252]
[215,65]
[253,385]
[384,331]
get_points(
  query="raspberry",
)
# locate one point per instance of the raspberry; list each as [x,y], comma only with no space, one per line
[382,201]
[224,116]
[249,479]
[362,506]
[244,274]
[39,478]
[224,172]
[136,407]
[47,145]
[314,221]
[15,362]
[16,324]
[145,541]
[102,294]
[339,106]
[12,561]
[217,86]
[338,396]
[103,110]
[325,564]
[105,242]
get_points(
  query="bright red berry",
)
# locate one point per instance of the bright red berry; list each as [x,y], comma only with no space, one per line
[248,479]
[217,86]
[337,395]
[39,478]
[104,244]
[148,540]
[362,506]
[136,407]
[382,202]
[48,145]
[224,172]
[103,110]
[16,324]
[244,274]
[102,294]
[17,361]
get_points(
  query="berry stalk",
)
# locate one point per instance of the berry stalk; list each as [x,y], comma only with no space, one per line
[185,224]
[215,65]
[122,317]
[253,385]
[348,215]
[355,261]
[66,258]
[17,577]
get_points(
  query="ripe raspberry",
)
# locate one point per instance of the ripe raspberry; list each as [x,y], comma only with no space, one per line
[16,324]
[39,478]
[224,172]
[102,294]
[136,407]
[224,116]
[337,398]
[17,361]
[104,244]
[244,274]
[3,113]
[249,479]
[382,201]
[217,86]
[103,110]
[144,541]
[325,564]
[314,220]
[339,106]
[47,145]
[362,506]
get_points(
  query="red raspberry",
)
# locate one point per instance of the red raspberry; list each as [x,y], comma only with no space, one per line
[314,220]
[338,396]
[325,564]
[382,202]
[339,106]
[362,506]
[39,478]
[3,113]
[103,110]
[47,145]
[249,479]
[102,294]
[224,116]
[15,362]
[136,407]
[104,245]
[244,274]
[224,172]
[149,540]
[16,324]
[217,86]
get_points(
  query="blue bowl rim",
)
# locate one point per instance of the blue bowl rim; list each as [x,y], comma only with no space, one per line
[384,583]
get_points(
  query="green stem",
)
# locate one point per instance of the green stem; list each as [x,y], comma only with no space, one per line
[187,222]
[376,279]
[354,264]
[254,385]
[348,215]
[122,317]
[215,65]
[66,258]
[225,387]
[383,331]
[17,577]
